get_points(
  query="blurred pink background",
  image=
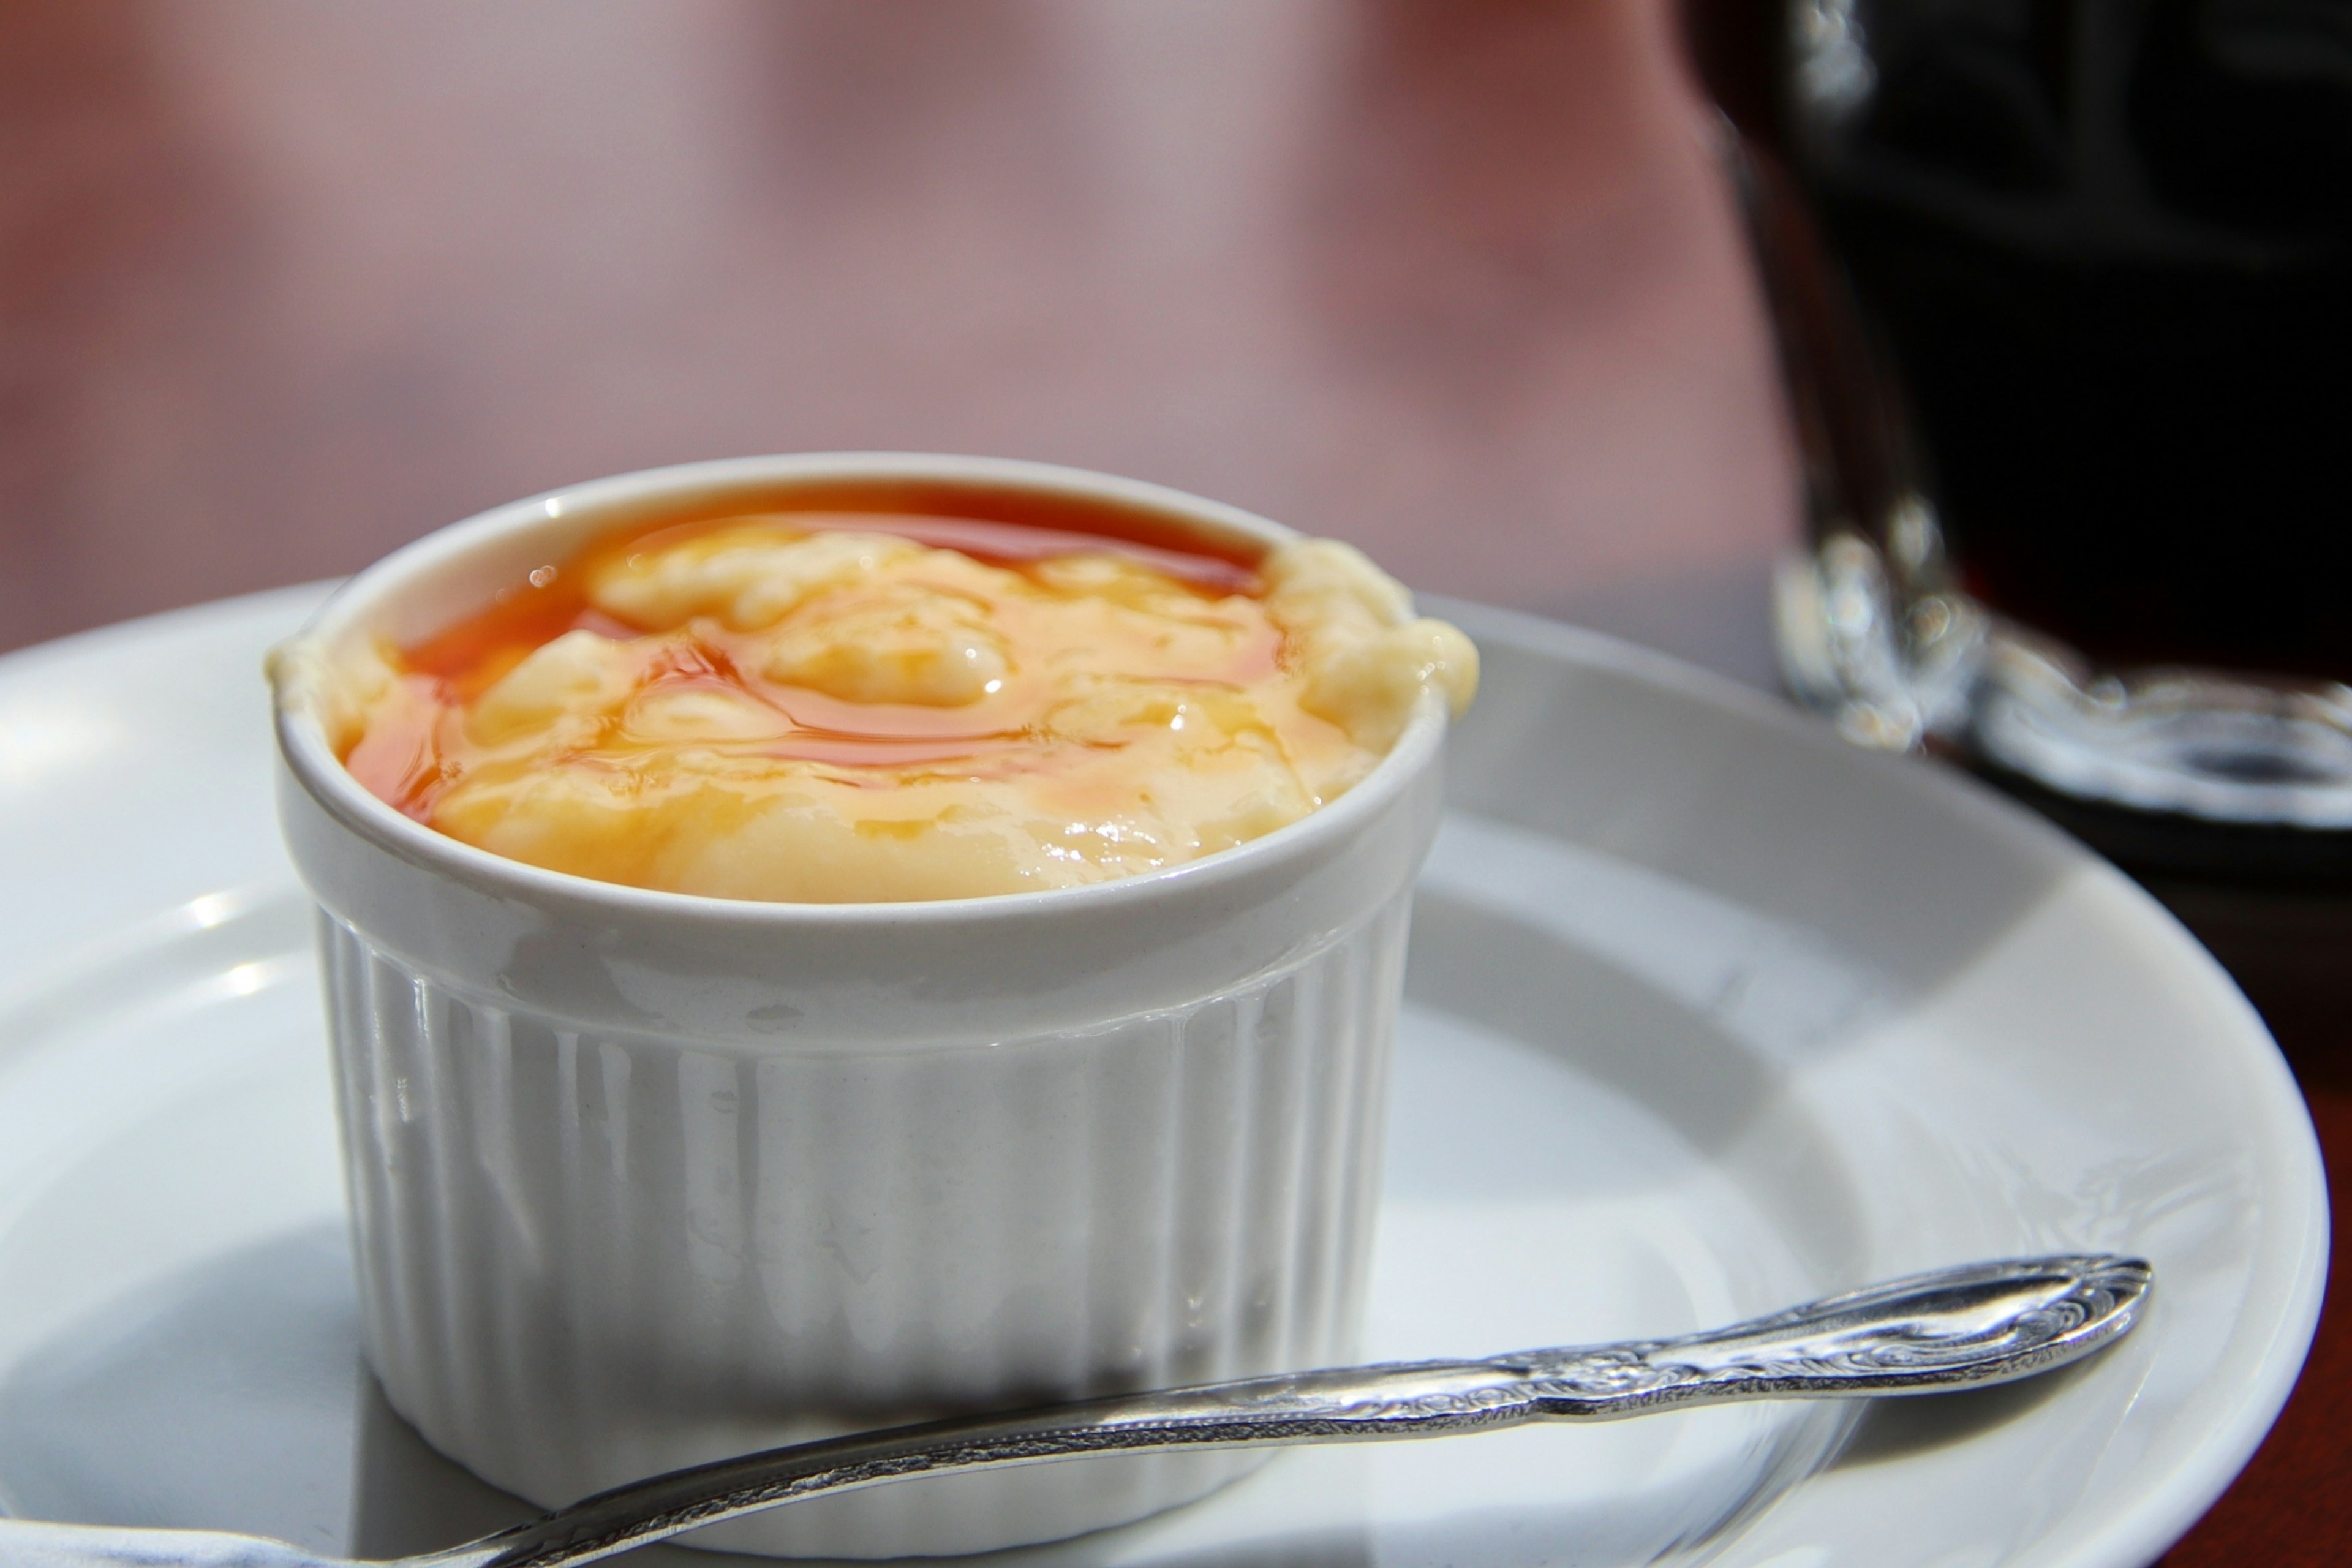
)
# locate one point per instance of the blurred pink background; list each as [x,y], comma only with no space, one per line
[285,283]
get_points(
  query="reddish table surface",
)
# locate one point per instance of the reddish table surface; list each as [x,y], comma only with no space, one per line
[284,284]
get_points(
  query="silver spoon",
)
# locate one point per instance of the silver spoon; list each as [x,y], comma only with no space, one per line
[1976,1324]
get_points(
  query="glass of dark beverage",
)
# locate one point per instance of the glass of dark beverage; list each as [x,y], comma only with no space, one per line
[2065,293]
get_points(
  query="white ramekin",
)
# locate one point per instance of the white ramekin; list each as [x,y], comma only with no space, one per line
[639,1180]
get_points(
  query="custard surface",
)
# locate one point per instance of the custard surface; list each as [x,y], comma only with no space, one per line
[819,707]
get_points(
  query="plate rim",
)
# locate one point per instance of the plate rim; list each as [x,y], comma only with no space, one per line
[2163,1513]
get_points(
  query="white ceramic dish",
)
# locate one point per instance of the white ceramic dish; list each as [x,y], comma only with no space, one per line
[1707,1013]
[643,1181]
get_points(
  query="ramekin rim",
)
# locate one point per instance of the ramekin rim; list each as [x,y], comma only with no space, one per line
[303,747]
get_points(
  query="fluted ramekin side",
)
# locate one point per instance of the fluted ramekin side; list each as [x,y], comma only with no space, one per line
[585,1258]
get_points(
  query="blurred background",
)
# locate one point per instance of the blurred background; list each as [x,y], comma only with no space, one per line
[285,283]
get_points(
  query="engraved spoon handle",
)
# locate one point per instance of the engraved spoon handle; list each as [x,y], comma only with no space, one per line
[1979,1323]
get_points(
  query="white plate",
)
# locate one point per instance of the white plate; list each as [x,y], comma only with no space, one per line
[1708,1013]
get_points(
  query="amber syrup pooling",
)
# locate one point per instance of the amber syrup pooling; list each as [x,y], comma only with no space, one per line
[404,757]
[830,705]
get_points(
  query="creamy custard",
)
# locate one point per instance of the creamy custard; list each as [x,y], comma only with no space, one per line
[829,708]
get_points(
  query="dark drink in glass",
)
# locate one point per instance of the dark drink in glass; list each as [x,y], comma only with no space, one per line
[2067,291]
[2107,243]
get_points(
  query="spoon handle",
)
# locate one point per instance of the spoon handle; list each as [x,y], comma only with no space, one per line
[1981,1323]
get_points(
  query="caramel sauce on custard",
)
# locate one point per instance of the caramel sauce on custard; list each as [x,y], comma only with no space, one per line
[854,707]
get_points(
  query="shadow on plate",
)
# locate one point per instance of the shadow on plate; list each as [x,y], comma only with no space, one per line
[1892,1429]
[407,1499]
[1766,809]
[230,1398]
[218,1398]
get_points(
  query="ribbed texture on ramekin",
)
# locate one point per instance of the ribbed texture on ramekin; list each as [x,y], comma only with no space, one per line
[587,1258]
